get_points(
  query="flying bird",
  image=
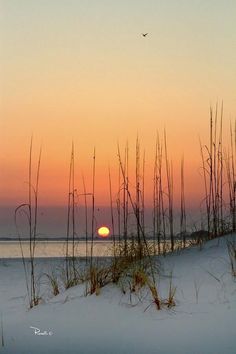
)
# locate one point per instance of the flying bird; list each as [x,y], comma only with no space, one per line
[144,34]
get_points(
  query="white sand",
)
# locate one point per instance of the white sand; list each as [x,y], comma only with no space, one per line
[109,323]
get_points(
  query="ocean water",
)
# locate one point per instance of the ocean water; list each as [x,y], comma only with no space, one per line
[13,249]
[52,230]
[52,222]
[51,249]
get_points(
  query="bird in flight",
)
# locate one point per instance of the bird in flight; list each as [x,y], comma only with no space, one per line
[144,34]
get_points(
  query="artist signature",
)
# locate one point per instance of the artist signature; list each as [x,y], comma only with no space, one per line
[38,332]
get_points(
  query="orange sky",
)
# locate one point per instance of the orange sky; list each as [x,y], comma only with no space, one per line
[82,71]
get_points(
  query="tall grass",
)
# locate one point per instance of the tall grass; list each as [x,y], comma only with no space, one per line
[169,176]
[30,210]
[131,242]
[129,198]
[112,212]
[212,165]
[143,194]
[70,230]
[138,191]
[231,175]
[93,208]
[118,205]
[183,227]
[159,218]
[86,218]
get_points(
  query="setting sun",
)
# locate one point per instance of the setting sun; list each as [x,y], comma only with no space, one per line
[103,231]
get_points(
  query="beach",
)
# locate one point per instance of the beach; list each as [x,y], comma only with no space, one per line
[202,320]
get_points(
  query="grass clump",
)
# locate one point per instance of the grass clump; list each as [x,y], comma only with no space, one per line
[155,294]
[133,250]
[53,281]
[139,280]
[97,278]
[69,274]
[170,302]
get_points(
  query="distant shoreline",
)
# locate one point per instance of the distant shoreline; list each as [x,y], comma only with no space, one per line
[62,239]
[77,239]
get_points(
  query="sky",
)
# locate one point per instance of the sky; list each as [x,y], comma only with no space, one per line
[81,70]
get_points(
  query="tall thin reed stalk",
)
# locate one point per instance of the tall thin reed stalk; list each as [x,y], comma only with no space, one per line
[71,228]
[93,208]
[68,224]
[159,223]
[169,176]
[86,218]
[143,195]
[137,187]
[32,219]
[118,205]
[112,213]
[152,283]
[212,165]
[73,208]
[182,207]
[155,204]
[231,175]
[129,196]
[125,190]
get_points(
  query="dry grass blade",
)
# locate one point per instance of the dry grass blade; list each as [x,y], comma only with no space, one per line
[170,302]
[154,292]
[54,283]
[232,256]
[139,280]
[98,277]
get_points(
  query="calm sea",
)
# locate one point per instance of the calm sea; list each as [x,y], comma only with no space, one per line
[13,249]
[52,229]
[52,222]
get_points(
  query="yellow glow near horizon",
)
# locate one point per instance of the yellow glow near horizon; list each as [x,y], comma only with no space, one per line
[103,231]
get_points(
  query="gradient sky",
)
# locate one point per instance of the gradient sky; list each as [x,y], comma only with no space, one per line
[77,69]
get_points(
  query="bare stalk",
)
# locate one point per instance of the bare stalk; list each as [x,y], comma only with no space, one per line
[68,219]
[137,206]
[143,195]
[182,207]
[86,218]
[73,208]
[93,208]
[169,175]
[32,219]
[118,205]
[112,213]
